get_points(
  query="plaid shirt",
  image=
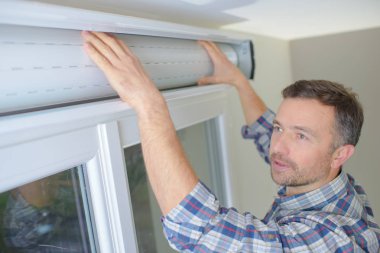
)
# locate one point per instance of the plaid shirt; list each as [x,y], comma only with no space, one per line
[334,218]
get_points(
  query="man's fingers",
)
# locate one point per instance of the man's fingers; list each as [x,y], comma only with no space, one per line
[126,49]
[209,49]
[100,46]
[112,42]
[213,51]
[216,48]
[97,57]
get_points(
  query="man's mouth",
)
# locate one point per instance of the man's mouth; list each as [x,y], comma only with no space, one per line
[279,164]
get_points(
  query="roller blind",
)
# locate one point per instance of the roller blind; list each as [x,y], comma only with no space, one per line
[45,66]
[43,63]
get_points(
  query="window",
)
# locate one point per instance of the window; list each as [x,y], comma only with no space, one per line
[40,147]
[48,215]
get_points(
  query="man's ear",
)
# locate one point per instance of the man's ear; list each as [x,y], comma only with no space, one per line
[341,155]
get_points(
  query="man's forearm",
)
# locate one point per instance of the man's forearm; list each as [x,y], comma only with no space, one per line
[253,105]
[170,173]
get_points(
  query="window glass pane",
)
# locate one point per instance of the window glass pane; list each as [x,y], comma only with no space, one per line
[47,215]
[200,146]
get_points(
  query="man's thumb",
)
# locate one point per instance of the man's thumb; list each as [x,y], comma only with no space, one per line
[208,80]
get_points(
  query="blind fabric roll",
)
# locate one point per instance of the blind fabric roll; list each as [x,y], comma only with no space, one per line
[42,67]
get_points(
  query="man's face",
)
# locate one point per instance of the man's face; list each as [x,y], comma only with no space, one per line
[300,150]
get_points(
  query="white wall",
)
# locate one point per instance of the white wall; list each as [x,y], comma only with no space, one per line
[352,59]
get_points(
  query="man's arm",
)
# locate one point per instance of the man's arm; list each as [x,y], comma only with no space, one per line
[257,116]
[226,72]
[168,169]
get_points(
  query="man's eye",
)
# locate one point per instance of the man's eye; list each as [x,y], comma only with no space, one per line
[302,137]
[276,129]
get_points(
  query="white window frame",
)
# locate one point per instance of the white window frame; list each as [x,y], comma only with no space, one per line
[94,134]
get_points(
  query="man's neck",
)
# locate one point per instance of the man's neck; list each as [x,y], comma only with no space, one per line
[293,190]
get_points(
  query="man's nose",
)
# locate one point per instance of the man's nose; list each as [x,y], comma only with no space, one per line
[280,144]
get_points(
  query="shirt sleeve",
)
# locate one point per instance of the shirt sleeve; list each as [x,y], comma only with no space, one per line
[199,224]
[261,132]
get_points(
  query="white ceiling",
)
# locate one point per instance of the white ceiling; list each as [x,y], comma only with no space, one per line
[292,19]
[286,19]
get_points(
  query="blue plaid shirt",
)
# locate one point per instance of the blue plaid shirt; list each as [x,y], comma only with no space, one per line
[334,218]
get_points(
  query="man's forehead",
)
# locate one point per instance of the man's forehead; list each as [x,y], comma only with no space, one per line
[303,112]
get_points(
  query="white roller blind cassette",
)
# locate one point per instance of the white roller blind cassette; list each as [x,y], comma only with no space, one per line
[44,66]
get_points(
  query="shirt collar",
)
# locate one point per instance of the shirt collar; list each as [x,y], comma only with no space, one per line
[316,198]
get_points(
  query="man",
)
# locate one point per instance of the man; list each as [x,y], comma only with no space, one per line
[319,207]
